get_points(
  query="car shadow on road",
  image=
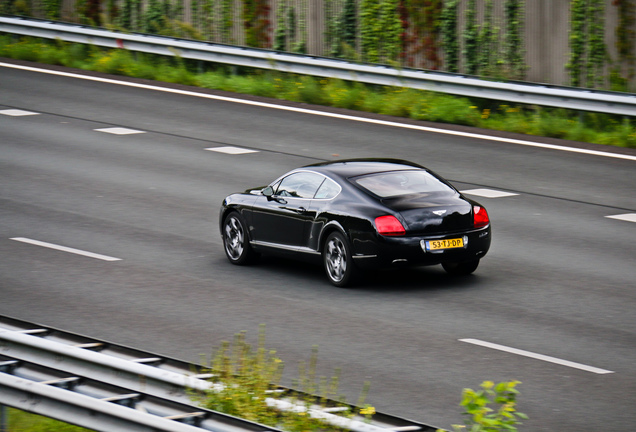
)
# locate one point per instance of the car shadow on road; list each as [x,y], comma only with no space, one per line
[406,279]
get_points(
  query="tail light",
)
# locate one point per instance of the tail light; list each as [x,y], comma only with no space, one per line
[480,217]
[389,226]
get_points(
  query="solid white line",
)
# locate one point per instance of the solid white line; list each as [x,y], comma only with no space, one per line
[537,356]
[65,249]
[327,114]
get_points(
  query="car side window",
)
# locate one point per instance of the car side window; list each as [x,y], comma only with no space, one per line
[329,189]
[299,185]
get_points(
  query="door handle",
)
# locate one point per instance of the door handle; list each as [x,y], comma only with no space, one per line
[295,209]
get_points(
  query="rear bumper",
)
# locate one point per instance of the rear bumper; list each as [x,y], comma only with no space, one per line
[379,251]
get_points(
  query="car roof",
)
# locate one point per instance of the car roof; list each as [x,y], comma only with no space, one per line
[355,167]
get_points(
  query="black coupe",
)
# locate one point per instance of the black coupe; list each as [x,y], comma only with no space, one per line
[358,214]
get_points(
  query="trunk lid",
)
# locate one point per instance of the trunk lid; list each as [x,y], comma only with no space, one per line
[432,213]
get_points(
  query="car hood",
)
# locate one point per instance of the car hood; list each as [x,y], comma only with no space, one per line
[434,213]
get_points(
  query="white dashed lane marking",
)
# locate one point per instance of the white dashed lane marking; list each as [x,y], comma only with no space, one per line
[537,356]
[231,150]
[629,217]
[17,112]
[119,131]
[488,193]
[65,249]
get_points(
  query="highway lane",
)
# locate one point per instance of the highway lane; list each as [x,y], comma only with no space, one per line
[559,280]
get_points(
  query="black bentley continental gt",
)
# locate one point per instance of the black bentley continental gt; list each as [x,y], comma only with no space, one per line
[358,214]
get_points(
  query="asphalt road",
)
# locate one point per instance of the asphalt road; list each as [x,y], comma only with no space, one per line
[559,282]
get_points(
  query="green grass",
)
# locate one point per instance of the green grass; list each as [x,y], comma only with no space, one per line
[21,421]
[395,101]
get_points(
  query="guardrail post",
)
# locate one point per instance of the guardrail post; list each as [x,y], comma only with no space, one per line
[3,419]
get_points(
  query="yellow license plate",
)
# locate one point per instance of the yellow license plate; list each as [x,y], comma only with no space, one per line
[445,244]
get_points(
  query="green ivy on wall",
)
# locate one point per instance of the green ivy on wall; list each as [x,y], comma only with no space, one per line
[256,23]
[51,9]
[369,30]
[596,44]
[514,41]
[280,34]
[471,33]
[227,20]
[154,17]
[349,23]
[449,30]
[390,31]
[333,30]
[485,40]
[587,47]
[577,41]
[424,17]
[299,28]
[207,21]
[625,46]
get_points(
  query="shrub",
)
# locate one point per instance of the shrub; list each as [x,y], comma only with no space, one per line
[491,409]
[441,108]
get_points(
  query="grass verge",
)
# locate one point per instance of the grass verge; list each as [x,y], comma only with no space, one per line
[395,101]
[21,421]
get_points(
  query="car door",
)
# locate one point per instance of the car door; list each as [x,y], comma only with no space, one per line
[282,220]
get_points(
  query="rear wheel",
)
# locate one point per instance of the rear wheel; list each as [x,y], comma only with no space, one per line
[336,256]
[462,268]
[235,242]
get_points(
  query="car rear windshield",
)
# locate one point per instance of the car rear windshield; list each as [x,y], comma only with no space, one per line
[395,183]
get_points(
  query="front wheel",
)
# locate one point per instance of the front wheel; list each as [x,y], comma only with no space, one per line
[235,241]
[336,256]
[462,268]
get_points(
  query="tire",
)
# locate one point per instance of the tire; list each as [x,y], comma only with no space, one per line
[462,268]
[235,241]
[336,256]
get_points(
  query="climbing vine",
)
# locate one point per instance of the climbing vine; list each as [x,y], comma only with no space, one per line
[195,11]
[207,21]
[449,30]
[485,42]
[369,30]
[51,8]
[471,33]
[333,30]
[349,22]
[425,18]
[597,55]
[433,10]
[299,28]
[280,34]
[154,17]
[515,51]
[256,23]
[625,36]
[587,48]
[227,20]
[390,31]
[577,41]
[249,21]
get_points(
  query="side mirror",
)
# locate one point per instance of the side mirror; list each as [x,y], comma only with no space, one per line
[268,191]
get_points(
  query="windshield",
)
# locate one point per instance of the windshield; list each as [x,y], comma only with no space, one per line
[397,183]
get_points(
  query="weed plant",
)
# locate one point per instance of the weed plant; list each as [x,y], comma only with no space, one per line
[246,384]
[491,409]
[402,102]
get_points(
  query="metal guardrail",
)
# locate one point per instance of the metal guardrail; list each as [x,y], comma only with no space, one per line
[108,387]
[514,92]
